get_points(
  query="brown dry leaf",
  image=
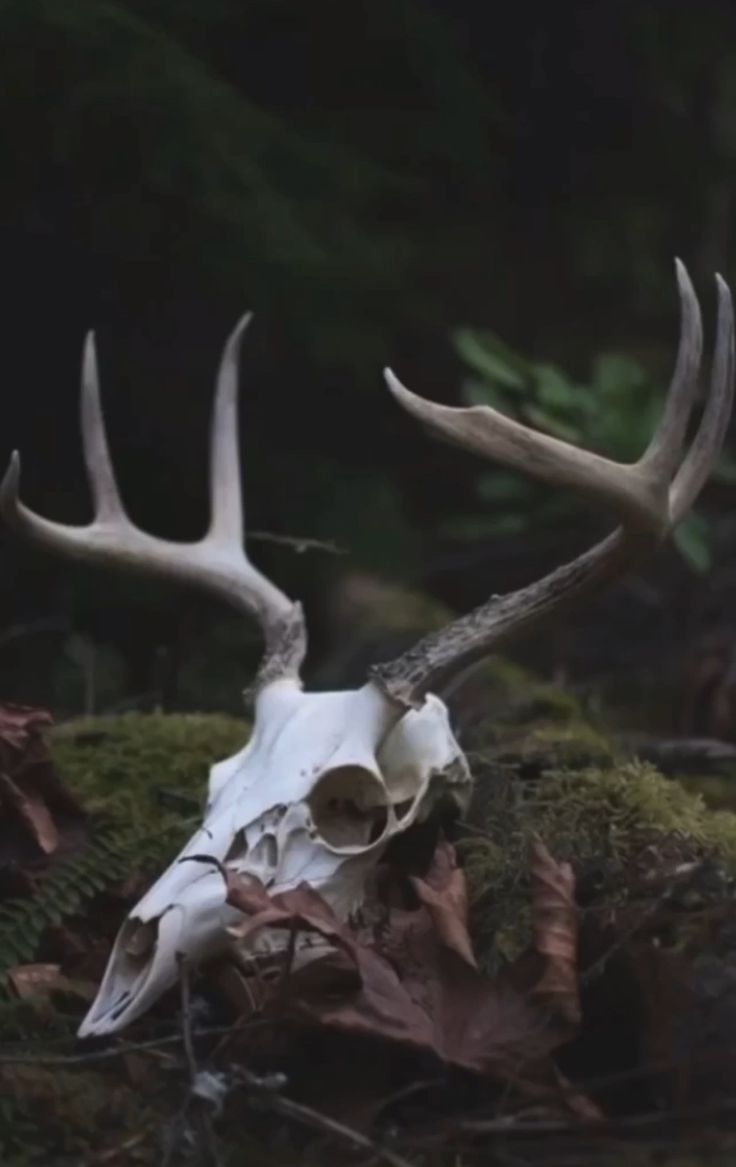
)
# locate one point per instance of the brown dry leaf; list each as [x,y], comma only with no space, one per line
[444,893]
[17,724]
[34,980]
[44,980]
[417,983]
[555,922]
[38,814]
[302,909]
[547,972]
[31,812]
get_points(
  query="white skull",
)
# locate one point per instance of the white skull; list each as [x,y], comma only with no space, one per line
[323,785]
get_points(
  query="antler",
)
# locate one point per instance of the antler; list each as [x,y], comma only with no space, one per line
[650,497]
[217,564]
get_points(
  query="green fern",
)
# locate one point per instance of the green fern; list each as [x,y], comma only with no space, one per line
[114,852]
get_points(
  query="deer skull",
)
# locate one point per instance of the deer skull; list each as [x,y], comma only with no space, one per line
[324,784]
[327,780]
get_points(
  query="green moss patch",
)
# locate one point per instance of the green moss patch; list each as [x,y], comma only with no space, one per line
[618,825]
[139,765]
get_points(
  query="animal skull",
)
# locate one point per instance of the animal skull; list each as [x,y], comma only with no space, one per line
[323,785]
[327,780]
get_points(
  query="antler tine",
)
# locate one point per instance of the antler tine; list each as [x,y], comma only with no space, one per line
[217,563]
[225,488]
[282,620]
[636,493]
[650,502]
[100,473]
[78,542]
[706,446]
[665,448]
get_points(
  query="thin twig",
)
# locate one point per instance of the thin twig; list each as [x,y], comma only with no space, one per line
[309,1117]
[113,1152]
[299,543]
[186,1017]
[203,1121]
[631,1124]
[105,1055]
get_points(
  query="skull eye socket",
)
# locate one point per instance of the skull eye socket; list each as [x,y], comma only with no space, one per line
[238,849]
[348,807]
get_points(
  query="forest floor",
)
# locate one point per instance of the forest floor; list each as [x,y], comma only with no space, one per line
[550,979]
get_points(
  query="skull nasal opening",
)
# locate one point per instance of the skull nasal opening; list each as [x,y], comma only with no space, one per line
[348,807]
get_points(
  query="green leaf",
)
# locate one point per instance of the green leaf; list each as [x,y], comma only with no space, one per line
[616,373]
[556,391]
[489,356]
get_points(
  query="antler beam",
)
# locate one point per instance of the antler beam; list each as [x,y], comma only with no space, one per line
[217,564]
[650,497]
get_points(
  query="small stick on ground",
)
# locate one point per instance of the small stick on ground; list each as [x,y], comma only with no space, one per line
[193,1103]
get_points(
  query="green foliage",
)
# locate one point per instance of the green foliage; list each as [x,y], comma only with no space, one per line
[614,413]
[111,854]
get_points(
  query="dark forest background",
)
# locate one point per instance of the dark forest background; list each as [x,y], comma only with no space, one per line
[486,197]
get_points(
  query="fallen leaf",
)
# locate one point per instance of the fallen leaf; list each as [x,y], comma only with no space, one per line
[44,980]
[301,908]
[554,923]
[37,813]
[32,813]
[32,980]
[415,982]
[17,724]
[444,894]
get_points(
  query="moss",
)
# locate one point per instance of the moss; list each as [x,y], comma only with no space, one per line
[518,695]
[616,824]
[718,790]
[501,699]
[552,745]
[128,765]
[622,809]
